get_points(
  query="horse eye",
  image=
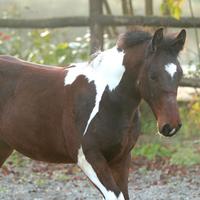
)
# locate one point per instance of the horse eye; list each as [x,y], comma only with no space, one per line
[153,77]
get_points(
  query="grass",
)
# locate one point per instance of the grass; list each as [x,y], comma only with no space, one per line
[151,151]
[186,156]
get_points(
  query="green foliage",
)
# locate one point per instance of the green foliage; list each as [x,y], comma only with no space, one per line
[190,116]
[185,155]
[151,151]
[41,47]
[194,111]
[172,7]
[179,155]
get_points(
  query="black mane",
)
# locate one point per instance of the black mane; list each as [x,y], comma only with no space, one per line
[133,38]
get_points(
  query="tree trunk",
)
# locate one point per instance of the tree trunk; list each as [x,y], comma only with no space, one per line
[148,7]
[96,29]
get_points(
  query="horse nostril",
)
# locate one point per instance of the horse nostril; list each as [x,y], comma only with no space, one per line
[166,129]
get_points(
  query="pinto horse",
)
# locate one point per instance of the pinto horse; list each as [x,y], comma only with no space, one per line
[87,113]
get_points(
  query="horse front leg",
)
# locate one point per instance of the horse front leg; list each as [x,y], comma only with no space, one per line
[5,152]
[120,171]
[95,166]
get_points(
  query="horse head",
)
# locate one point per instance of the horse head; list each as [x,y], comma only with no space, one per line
[159,73]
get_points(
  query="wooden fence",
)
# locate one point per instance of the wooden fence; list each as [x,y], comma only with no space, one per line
[97,21]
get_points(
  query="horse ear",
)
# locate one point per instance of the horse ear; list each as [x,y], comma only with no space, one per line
[157,39]
[179,41]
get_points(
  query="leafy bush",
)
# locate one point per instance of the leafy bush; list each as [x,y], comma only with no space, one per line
[42,47]
[173,7]
[151,151]
[185,156]
[179,155]
[194,111]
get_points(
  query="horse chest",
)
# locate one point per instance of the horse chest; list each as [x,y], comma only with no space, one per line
[113,132]
[109,134]
[118,148]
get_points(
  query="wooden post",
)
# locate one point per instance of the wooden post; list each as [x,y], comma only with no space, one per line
[148,7]
[96,29]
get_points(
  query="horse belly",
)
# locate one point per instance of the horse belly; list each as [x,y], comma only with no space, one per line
[38,135]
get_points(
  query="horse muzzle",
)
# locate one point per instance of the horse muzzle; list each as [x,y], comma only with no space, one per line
[167,115]
[168,130]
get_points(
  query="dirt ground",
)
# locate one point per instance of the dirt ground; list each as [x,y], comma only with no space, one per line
[148,181]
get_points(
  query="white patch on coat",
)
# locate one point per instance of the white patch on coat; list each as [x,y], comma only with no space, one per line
[91,174]
[171,69]
[105,70]
[108,65]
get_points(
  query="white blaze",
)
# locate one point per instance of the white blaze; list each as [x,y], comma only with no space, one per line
[171,69]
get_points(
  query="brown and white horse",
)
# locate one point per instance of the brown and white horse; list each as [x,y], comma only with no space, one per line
[88,113]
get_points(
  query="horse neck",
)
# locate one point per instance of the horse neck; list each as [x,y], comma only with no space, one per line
[127,93]
[128,87]
[121,81]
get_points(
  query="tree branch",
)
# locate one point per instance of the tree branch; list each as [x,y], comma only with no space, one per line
[190,82]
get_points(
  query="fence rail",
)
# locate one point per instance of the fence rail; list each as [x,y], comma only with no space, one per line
[82,21]
[58,22]
[190,82]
